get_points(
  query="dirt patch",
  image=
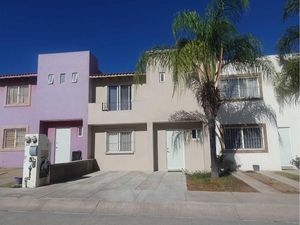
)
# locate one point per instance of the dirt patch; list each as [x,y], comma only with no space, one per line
[203,182]
[277,185]
[289,175]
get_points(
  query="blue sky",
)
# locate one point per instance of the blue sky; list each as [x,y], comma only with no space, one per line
[116,31]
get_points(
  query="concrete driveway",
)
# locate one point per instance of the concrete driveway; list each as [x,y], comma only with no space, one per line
[149,194]
[133,186]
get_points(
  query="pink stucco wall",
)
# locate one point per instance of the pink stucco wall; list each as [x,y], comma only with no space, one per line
[57,102]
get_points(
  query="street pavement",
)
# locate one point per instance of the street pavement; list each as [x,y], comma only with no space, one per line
[142,198]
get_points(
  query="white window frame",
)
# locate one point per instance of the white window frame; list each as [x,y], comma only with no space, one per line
[18,95]
[162,77]
[239,88]
[80,134]
[74,77]
[60,78]
[119,96]
[119,141]
[241,130]
[50,78]
[2,142]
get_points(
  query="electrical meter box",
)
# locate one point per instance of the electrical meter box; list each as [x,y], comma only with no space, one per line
[36,166]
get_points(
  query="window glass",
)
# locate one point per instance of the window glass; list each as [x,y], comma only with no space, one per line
[113,141]
[62,78]
[252,137]
[80,131]
[243,138]
[125,97]
[74,77]
[14,138]
[125,141]
[235,88]
[162,77]
[17,95]
[51,79]
[113,98]
[232,138]
[119,141]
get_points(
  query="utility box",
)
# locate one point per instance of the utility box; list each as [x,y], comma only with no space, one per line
[36,166]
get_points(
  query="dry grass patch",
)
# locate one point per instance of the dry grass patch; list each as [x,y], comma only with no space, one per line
[295,177]
[277,185]
[202,182]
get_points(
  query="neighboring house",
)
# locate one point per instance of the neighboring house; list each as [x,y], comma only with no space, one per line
[125,126]
[53,101]
[257,131]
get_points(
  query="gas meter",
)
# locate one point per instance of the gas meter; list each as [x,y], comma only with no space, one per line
[36,166]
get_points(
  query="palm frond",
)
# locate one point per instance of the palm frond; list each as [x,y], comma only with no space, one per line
[289,42]
[287,82]
[187,24]
[291,8]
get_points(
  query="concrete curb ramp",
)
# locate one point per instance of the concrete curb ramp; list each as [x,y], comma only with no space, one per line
[224,211]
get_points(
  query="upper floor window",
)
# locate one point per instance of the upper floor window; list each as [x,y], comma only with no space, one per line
[162,77]
[244,137]
[119,142]
[74,77]
[119,97]
[50,78]
[62,78]
[14,138]
[240,88]
[17,95]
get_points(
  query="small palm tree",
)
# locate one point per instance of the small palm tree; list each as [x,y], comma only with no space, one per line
[287,82]
[204,47]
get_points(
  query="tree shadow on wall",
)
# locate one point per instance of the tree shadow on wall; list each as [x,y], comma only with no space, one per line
[242,112]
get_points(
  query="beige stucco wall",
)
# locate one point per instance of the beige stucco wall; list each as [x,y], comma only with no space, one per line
[140,159]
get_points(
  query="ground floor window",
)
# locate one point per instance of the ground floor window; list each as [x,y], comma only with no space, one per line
[119,141]
[14,138]
[244,137]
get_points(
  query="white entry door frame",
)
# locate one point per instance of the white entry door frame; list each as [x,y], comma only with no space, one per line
[62,145]
[285,146]
[175,150]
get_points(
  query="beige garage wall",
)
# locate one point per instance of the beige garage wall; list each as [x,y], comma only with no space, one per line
[141,159]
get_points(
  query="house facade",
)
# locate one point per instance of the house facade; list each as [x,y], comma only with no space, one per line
[124,126]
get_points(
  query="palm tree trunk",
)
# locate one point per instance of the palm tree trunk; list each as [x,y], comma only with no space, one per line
[213,149]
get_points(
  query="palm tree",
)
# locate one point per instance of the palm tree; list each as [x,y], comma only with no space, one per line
[287,81]
[204,47]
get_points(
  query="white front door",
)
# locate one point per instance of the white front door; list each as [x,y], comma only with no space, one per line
[285,146]
[62,145]
[175,150]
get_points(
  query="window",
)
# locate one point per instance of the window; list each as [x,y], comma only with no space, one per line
[51,79]
[119,97]
[243,138]
[62,78]
[74,77]
[17,95]
[196,133]
[162,77]
[119,142]
[80,131]
[14,138]
[240,88]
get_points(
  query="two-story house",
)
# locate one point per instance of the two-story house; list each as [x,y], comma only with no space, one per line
[124,126]
[52,101]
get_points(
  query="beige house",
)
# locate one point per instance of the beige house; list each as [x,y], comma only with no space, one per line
[130,127]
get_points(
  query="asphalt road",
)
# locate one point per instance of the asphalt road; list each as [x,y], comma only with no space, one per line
[34,218]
